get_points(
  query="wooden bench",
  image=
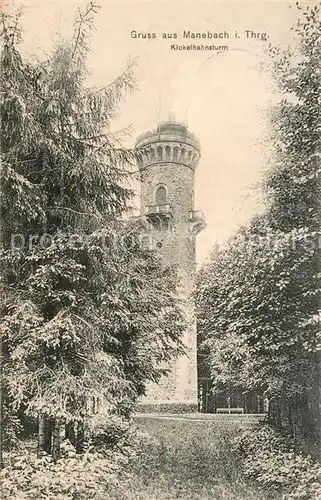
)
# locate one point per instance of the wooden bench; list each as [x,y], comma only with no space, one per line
[229,410]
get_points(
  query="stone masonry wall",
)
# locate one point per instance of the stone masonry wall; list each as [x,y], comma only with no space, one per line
[178,248]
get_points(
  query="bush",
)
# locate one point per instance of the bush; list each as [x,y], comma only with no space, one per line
[73,477]
[115,435]
[12,429]
[94,474]
[81,477]
[108,431]
[270,458]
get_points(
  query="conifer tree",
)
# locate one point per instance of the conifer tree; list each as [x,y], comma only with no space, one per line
[88,314]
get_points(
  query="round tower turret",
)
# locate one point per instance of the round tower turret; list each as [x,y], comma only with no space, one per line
[170,142]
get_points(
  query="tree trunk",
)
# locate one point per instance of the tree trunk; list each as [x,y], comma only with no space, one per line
[80,437]
[1,404]
[56,440]
[275,412]
[48,435]
[314,406]
[41,435]
[1,424]
[70,433]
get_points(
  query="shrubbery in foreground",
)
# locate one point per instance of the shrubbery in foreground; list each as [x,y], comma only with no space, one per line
[270,459]
[80,477]
[93,474]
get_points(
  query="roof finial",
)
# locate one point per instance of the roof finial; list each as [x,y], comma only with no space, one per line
[185,118]
[159,107]
[171,116]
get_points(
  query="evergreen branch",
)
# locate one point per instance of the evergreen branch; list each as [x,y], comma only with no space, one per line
[12,33]
[76,212]
[122,77]
[83,20]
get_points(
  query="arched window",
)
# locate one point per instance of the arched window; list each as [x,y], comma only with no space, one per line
[161,196]
[159,153]
[175,154]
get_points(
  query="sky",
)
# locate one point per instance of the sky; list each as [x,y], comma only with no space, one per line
[223,96]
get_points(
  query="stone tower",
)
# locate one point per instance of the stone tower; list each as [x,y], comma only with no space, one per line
[170,155]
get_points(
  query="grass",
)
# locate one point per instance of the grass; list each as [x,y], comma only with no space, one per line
[190,460]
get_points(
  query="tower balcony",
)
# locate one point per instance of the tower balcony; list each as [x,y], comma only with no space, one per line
[160,216]
[197,221]
[159,210]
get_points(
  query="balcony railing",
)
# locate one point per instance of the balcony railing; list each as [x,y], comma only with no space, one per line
[197,216]
[197,221]
[165,210]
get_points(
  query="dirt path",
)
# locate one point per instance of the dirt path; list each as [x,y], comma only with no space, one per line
[189,459]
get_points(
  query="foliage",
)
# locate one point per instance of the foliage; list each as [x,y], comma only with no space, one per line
[88,313]
[268,457]
[98,473]
[259,294]
[256,331]
[73,477]
[12,429]
[113,432]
